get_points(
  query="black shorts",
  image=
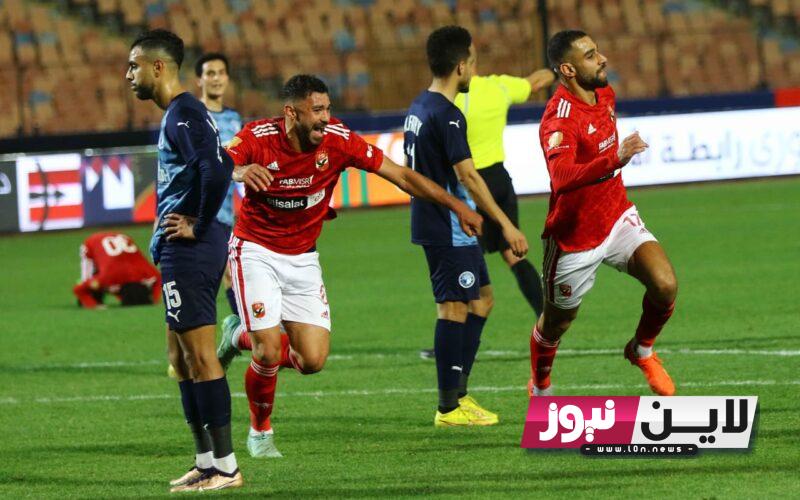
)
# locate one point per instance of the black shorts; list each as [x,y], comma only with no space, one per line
[457,273]
[191,272]
[502,189]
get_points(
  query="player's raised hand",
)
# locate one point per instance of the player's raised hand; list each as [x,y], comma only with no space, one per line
[516,240]
[471,221]
[178,226]
[631,145]
[254,176]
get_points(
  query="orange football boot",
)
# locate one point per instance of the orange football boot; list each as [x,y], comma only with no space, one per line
[657,377]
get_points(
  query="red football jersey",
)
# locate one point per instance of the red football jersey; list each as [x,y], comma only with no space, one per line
[586,191]
[287,218]
[114,259]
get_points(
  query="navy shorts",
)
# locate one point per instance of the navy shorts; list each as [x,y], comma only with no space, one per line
[191,272]
[457,273]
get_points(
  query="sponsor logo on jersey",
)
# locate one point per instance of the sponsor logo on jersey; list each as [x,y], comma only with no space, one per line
[258,309]
[321,161]
[591,129]
[607,143]
[273,166]
[466,279]
[295,203]
[565,290]
[296,182]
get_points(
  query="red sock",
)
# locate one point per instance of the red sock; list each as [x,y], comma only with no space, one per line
[259,383]
[653,319]
[244,344]
[288,356]
[543,352]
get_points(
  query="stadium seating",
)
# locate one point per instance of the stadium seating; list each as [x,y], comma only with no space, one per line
[64,62]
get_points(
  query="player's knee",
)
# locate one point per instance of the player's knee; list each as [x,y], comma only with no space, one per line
[556,325]
[201,363]
[266,353]
[453,311]
[484,305]
[312,364]
[665,290]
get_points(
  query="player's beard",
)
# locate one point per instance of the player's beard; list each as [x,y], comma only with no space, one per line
[592,82]
[306,143]
[143,93]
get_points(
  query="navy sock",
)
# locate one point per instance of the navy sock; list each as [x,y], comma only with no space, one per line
[202,441]
[232,300]
[530,284]
[214,405]
[472,340]
[448,347]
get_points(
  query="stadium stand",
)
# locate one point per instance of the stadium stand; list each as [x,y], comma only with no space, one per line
[63,62]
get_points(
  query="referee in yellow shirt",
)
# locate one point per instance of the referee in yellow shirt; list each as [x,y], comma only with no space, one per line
[486,108]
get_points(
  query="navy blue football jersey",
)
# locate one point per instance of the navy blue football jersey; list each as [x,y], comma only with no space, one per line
[194,172]
[435,139]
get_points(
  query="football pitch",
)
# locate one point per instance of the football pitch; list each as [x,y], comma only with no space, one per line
[86,408]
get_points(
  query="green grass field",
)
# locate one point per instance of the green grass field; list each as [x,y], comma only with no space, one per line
[86,409]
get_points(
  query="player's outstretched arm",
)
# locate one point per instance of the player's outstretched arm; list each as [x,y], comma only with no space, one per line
[469,177]
[540,79]
[420,186]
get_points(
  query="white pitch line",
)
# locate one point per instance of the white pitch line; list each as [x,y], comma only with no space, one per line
[396,391]
[481,354]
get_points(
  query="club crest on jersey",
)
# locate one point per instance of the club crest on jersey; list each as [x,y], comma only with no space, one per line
[233,142]
[611,113]
[466,279]
[566,290]
[322,160]
[258,309]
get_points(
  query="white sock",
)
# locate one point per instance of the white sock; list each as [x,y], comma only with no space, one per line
[227,464]
[642,351]
[235,337]
[204,460]
[256,433]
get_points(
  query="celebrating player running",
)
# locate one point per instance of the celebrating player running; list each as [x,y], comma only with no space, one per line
[290,166]
[590,220]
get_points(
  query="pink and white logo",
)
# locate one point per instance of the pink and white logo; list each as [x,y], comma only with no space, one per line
[696,421]
[569,422]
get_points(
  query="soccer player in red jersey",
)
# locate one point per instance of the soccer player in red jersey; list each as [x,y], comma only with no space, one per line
[590,220]
[290,166]
[112,263]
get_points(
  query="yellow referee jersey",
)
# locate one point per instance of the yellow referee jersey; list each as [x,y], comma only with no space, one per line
[486,108]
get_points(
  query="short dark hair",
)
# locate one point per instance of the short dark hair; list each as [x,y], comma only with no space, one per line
[559,45]
[209,56]
[447,46]
[299,87]
[165,40]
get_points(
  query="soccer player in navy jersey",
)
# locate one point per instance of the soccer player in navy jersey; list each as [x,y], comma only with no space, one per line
[213,76]
[190,244]
[436,146]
